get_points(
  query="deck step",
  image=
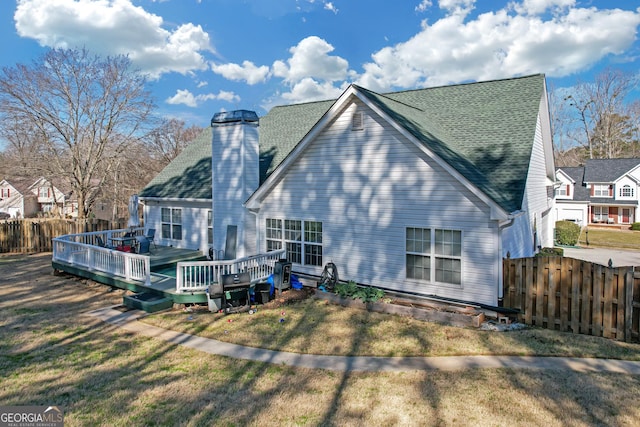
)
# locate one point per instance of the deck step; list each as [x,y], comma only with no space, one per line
[148,301]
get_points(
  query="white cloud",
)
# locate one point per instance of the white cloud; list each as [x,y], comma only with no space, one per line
[246,72]
[185,97]
[331,7]
[535,7]
[114,27]
[502,44]
[310,59]
[423,6]
[308,89]
[311,73]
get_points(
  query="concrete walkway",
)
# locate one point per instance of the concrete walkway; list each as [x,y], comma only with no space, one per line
[618,257]
[129,321]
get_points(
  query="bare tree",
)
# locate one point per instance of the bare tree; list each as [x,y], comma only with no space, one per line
[21,149]
[601,112]
[169,139]
[82,109]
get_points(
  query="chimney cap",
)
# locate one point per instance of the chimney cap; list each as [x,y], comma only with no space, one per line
[234,116]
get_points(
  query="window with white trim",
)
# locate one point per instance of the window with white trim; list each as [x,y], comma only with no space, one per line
[600,213]
[626,191]
[601,190]
[434,255]
[313,243]
[293,240]
[273,232]
[171,221]
[302,239]
[4,192]
[43,192]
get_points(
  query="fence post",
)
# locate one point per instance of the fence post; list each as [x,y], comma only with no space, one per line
[628,303]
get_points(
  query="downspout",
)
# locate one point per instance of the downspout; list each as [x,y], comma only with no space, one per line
[506,223]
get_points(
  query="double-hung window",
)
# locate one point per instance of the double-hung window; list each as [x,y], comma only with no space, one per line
[274,234]
[434,255]
[293,240]
[313,243]
[601,190]
[171,223]
[301,239]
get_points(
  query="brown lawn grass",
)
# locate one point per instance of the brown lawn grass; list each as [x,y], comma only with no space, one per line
[610,238]
[52,352]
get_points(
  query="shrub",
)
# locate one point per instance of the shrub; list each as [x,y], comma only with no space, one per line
[635,226]
[352,290]
[551,252]
[567,233]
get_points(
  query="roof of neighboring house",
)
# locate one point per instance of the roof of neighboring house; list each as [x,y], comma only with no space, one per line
[608,170]
[188,176]
[20,183]
[580,192]
[483,130]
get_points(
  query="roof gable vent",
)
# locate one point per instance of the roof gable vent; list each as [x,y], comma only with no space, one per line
[357,121]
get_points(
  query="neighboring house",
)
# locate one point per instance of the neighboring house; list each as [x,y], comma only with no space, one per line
[420,191]
[50,198]
[603,191]
[177,202]
[16,199]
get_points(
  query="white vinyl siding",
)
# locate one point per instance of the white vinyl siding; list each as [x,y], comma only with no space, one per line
[195,223]
[366,188]
[534,226]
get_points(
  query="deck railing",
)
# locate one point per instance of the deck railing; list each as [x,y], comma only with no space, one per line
[197,276]
[82,250]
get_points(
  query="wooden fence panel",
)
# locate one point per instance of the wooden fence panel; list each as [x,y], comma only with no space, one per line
[34,235]
[576,296]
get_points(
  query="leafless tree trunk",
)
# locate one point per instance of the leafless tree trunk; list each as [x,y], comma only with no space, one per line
[84,108]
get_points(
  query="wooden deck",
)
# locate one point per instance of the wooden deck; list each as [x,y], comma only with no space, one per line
[161,284]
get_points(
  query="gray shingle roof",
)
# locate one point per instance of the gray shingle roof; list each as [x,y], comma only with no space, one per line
[608,170]
[484,130]
[580,192]
[188,175]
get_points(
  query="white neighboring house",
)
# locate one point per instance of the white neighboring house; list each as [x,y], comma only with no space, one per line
[50,198]
[421,191]
[16,199]
[603,192]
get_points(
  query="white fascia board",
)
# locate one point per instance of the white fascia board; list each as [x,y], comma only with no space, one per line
[566,176]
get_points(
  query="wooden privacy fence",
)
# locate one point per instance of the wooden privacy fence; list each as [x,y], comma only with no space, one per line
[572,295]
[34,235]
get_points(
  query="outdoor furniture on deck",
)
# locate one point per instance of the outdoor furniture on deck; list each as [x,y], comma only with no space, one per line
[150,236]
[142,245]
[124,243]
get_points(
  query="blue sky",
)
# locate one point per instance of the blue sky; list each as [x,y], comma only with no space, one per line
[206,56]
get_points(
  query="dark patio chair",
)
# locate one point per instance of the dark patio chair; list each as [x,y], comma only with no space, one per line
[102,244]
[150,236]
[143,245]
